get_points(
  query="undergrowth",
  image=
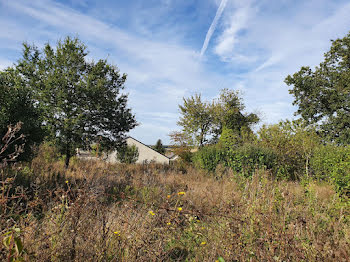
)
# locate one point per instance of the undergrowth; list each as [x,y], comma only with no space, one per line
[95,211]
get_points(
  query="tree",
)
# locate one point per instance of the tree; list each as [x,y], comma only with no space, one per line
[196,119]
[323,95]
[80,100]
[293,142]
[159,147]
[17,105]
[127,154]
[204,122]
[182,145]
[230,123]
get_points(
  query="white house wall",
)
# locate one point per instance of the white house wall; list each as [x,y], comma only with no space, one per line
[146,154]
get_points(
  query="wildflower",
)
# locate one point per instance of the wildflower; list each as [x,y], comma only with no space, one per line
[151,213]
[117,233]
[179,208]
[203,243]
[168,196]
[181,193]
[66,181]
[169,223]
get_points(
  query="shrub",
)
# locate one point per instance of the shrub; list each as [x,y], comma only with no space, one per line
[209,157]
[247,158]
[244,159]
[331,162]
[128,154]
[293,143]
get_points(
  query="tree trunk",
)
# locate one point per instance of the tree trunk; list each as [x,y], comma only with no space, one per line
[68,156]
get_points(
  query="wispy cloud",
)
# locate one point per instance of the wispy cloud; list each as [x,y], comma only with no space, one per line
[256,44]
[159,73]
[213,26]
[236,21]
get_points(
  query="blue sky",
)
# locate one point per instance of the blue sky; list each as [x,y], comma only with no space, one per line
[251,46]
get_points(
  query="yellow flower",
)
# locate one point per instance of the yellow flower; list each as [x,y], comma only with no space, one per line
[168,196]
[151,213]
[66,181]
[117,233]
[179,208]
[203,243]
[169,223]
[181,193]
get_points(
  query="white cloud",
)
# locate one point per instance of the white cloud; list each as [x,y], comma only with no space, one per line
[236,21]
[159,73]
[256,45]
[213,26]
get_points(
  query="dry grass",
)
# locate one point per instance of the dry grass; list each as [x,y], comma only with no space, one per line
[131,213]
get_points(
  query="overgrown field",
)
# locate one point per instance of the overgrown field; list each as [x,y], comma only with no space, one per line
[98,212]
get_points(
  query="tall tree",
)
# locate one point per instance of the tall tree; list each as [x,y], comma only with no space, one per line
[159,147]
[223,118]
[196,119]
[230,122]
[81,101]
[323,95]
[17,105]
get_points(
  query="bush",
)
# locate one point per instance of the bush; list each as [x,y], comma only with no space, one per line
[245,159]
[128,154]
[293,143]
[209,157]
[331,162]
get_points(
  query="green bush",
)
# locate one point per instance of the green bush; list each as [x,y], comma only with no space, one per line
[333,163]
[209,157]
[127,154]
[245,159]
[293,143]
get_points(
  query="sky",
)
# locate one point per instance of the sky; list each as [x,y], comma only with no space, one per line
[171,49]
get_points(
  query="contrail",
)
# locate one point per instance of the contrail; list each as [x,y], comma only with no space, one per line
[213,26]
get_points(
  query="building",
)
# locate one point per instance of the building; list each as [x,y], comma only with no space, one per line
[146,154]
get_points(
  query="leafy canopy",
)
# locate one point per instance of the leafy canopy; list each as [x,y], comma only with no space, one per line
[203,122]
[159,147]
[80,100]
[17,105]
[323,95]
[196,119]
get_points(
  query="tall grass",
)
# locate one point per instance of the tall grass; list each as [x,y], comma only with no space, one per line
[99,212]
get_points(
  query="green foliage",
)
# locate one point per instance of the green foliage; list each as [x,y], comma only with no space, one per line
[13,243]
[293,143]
[230,138]
[48,152]
[80,100]
[209,157]
[322,95]
[159,147]
[196,119]
[245,159]
[205,122]
[248,158]
[127,154]
[17,105]
[228,112]
[332,163]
